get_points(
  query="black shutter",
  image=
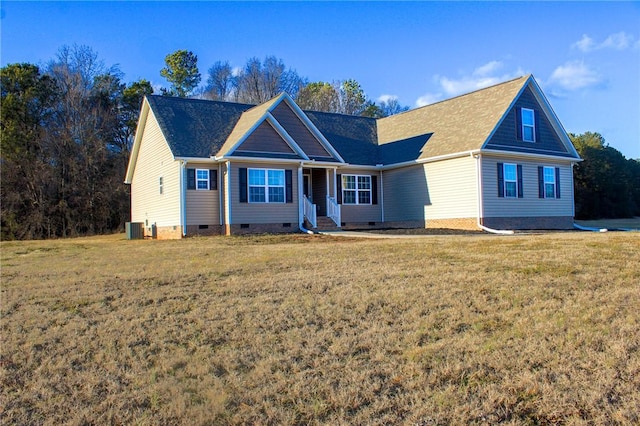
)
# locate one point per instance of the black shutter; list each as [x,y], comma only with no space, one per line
[536,120]
[557,182]
[518,124]
[191,178]
[500,180]
[374,189]
[339,190]
[540,182]
[288,179]
[520,185]
[213,180]
[243,184]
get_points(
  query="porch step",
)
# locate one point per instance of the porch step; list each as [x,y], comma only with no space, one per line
[325,223]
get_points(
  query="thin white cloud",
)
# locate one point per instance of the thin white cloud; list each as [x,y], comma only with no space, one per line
[483,76]
[428,99]
[617,41]
[487,69]
[574,75]
[387,98]
[585,44]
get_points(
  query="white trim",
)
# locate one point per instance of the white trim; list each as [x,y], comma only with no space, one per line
[555,122]
[479,197]
[285,135]
[381,186]
[227,195]
[135,149]
[197,159]
[197,188]
[300,200]
[259,160]
[357,190]
[531,156]
[183,197]
[428,159]
[220,195]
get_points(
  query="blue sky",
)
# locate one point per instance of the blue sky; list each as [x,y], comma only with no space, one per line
[585,55]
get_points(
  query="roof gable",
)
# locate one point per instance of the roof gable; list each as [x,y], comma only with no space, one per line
[265,139]
[505,136]
[307,141]
[295,120]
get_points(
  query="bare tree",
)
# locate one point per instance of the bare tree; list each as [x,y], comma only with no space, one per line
[221,82]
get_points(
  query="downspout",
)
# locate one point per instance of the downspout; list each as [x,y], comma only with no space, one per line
[183,198]
[227,198]
[480,212]
[220,192]
[381,197]
[300,205]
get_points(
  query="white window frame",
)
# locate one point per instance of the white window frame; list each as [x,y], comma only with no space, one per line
[514,180]
[531,125]
[202,179]
[161,185]
[267,186]
[357,190]
[552,182]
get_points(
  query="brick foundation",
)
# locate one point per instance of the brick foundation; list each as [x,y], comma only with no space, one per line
[261,228]
[524,223]
[193,230]
[466,223]
[163,232]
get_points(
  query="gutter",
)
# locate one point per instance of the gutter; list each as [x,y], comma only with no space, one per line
[183,198]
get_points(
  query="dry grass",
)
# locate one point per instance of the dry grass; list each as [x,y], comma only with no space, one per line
[539,329]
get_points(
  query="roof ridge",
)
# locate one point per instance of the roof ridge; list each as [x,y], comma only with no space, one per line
[526,76]
[177,98]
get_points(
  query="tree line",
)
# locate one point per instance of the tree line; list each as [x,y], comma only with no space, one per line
[67,128]
[261,80]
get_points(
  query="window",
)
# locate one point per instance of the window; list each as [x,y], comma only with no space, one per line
[510,181]
[356,189]
[528,125]
[202,179]
[266,186]
[161,185]
[549,182]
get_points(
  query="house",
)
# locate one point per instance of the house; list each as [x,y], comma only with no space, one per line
[497,158]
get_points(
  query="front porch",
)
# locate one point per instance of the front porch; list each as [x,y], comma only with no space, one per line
[321,208]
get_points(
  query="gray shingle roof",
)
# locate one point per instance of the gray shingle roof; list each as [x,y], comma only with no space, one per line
[194,127]
[355,138]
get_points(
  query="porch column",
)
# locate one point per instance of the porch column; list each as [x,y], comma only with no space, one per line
[300,197]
